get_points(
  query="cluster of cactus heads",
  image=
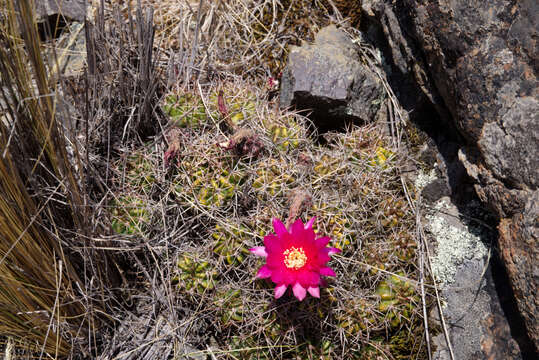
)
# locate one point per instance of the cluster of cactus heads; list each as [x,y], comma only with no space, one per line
[196,276]
[391,308]
[285,137]
[230,244]
[398,298]
[393,211]
[271,179]
[405,246]
[326,165]
[239,111]
[211,186]
[185,110]
[129,215]
[230,304]
[381,157]
[336,226]
[346,178]
[139,172]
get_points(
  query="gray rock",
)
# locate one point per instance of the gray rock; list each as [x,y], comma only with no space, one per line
[476,324]
[329,78]
[435,190]
[482,58]
[510,146]
[519,247]
[70,9]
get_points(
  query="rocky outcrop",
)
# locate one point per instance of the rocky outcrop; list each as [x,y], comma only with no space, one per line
[328,78]
[70,9]
[518,241]
[481,60]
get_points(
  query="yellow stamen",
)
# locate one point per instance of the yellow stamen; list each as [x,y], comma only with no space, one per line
[295,258]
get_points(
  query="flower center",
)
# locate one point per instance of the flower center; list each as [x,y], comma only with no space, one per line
[294,258]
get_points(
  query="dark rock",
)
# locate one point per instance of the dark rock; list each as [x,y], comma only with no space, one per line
[70,9]
[482,58]
[435,190]
[510,146]
[477,327]
[519,240]
[329,78]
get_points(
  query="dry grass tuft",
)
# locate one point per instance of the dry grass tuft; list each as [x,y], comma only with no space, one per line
[45,304]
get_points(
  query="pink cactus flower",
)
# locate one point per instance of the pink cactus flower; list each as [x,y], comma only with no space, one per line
[296,258]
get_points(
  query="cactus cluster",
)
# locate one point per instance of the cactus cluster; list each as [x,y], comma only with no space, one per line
[196,276]
[326,165]
[405,246]
[241,110]
[393,305]
[398,298]
[230,304]
[356,201]
[285,137]
[211,186]
[336,225]
[381,157]
[185,110]
[139,172]
[129,215]
[248,348]
[271,179]
[393,211]
[230,244]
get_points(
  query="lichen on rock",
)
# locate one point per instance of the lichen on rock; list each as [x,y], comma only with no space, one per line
[454,244]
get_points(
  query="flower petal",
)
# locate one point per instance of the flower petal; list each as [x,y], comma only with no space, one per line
[333,251]
[322,242]
[259,251]
[278,276]
[280,290]
[264,272]
[279,227]
[275,259]
[310,223]
[327,271]
[322,256]
[314,291]
[297,228]
[307,278]
[272,243]
[299,291]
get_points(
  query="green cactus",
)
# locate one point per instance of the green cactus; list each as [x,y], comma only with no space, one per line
[382,158]
[393,210]
[231,307]
[270,179]
[336,226]
[129,215]
[185,110]
[230,244]
[326,165]
[136,172]
[195,277]
[212,187]
[396,297]
[285,133]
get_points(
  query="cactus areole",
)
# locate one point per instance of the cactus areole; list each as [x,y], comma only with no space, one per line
[295,257]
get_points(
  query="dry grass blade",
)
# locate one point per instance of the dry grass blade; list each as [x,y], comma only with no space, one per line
[40,197]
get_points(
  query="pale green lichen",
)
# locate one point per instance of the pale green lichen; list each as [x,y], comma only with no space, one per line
[423,179]
[454,245]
